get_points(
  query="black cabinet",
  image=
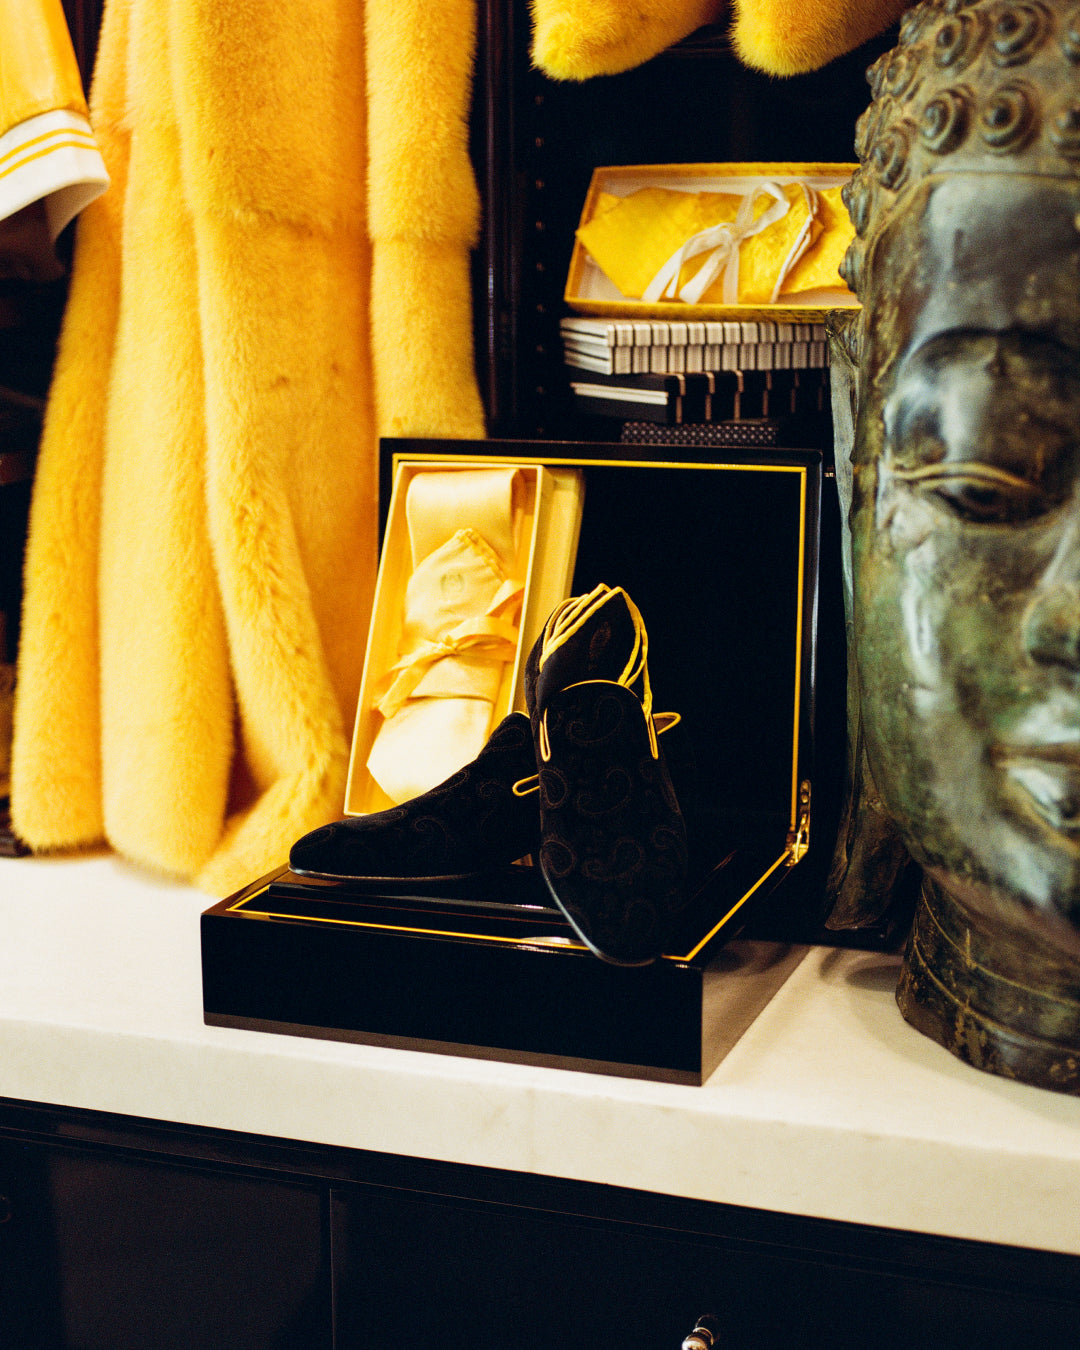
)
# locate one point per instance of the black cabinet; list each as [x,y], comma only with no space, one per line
[102,1250]
[118,1234]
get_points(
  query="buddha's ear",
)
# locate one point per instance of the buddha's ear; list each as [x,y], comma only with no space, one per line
[873,877]
[843,329]
[872,874]
[577,39]
[791,37]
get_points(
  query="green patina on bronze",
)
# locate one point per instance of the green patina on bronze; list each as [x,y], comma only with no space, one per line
[962,484]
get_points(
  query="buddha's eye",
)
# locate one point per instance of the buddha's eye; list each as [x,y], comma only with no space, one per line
[983,425]
[980,501]
[978,493]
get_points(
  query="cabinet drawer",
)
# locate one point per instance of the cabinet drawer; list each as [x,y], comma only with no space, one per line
[459,1273]
[105,1252]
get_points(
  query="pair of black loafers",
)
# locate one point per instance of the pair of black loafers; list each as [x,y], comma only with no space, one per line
[580,784]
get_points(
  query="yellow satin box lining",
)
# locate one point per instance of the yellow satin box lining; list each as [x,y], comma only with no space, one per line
[551,504]
[590,291]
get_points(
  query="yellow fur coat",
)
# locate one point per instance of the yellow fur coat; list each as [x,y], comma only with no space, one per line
[245,317]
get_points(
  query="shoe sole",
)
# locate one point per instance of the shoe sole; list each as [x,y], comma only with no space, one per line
[602,792]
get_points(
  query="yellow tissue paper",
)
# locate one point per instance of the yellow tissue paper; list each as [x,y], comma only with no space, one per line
[818,268]
[604,202]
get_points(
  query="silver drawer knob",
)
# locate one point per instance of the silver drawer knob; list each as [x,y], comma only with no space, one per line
[705,1335]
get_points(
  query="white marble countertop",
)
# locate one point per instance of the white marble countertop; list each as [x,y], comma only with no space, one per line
[829,1105]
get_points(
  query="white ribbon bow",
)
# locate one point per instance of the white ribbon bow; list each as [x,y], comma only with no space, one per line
[722,243]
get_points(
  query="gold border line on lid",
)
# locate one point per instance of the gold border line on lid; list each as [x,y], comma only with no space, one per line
[801,583]
[783,858]
[573,462]
[413,928]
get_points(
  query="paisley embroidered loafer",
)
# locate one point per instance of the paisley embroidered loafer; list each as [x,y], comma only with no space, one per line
[612,837]
[482,818]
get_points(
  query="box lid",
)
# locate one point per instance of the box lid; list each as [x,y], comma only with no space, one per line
[720,556]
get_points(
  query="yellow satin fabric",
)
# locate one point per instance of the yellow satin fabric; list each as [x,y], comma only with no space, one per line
[50,167]
[819,266]
[38,70]
[454,607]
[631,238]
[459,628]
[440,503]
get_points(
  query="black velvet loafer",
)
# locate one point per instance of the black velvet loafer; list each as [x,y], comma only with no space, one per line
[612,837]
[473,822]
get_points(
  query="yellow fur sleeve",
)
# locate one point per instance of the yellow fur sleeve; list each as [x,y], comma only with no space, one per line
[423,216]
[791,37]
[577,39]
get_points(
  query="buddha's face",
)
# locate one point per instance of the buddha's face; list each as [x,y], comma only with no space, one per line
[966,544]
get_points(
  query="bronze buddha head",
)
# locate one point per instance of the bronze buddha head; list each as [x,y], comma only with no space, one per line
[965,516]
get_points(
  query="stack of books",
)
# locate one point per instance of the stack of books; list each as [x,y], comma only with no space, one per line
[695,372]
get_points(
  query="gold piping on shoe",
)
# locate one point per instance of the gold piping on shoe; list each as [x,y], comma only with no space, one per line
[661,722]
[572,614]
[567,620]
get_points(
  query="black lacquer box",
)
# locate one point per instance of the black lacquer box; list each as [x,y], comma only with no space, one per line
[722,558]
